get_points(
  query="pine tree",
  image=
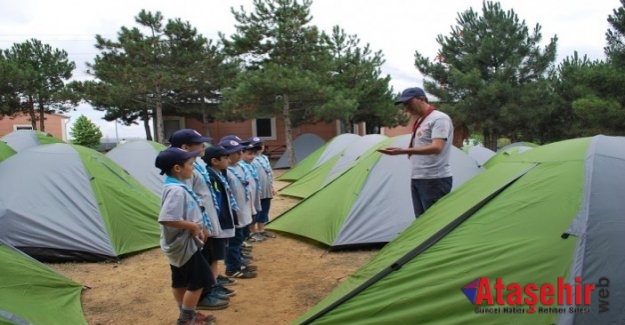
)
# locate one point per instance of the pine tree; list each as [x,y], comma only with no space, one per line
[492,74]
[86,133]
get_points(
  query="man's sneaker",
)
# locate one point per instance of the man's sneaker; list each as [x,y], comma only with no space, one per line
[221,291]
[241,274]
[268,234]
[251,268]
[248,246]
[225,281]
[211,302]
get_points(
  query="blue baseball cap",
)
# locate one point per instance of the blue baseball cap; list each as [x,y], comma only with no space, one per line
[235,138]
[410,93]
[231,145]
[187,136]
[168,158]
[214,152]
[255,141]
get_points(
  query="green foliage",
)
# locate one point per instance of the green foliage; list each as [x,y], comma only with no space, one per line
[615,36]
[34,74]
[153,67]
[85,133]
[491,74]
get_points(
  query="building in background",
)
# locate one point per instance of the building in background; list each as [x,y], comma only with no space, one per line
[56,124]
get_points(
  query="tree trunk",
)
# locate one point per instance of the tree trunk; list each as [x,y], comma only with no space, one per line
[31,111]
[158,124]
[146,124]
[346,127]
[287,130]
[490,139]
[205,127]
[42,118]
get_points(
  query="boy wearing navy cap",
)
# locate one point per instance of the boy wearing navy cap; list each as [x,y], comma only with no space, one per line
[265,176]
[182,234]
[214,297]
[239,181]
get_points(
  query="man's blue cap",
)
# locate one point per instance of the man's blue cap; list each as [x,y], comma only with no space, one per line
[410,93]
[187,136]
[168,158]
[231,145]
[214,152]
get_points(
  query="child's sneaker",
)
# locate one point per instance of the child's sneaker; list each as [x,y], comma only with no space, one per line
[268,234]
[241,274]
[225,281]
[211,302]
[221,291]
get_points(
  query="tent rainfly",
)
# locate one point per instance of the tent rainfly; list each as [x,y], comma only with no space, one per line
[368,204]
[549,217]
[137,158]
[332,168]
[63,202]
[303,145]
[24,139]
[32,293]
[329,150]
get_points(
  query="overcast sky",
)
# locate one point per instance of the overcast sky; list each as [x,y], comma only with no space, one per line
[396,27]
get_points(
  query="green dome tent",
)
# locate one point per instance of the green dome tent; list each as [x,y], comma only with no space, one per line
[333,167]
[137,158]
[5,151]
[507,151]
[303,146]
[368,204]
[62,202]
[326,152]
[553,212]
[24,139]
[32,293]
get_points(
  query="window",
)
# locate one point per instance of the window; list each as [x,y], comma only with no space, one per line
[264,128]
[172,124]
[22,127]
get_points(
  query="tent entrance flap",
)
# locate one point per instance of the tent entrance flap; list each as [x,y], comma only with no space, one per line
[437,236]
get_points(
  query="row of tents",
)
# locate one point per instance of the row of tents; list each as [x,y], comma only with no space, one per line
[530,218]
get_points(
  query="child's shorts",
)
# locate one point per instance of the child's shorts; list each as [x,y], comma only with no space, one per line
[193,275]
[215,249]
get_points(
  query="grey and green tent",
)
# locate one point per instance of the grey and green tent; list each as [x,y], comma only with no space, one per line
[480,154]
[507,151]
[5,151]
[137,158]
[24,139]
[556,211]
[333,167]
[32,293]
[326,152]
[303,145]
[62,202]
[368,204]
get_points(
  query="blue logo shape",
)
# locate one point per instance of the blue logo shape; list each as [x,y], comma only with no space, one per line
[470,290]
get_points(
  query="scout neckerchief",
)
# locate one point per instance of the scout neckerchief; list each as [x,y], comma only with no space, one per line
[416,125]
[171,181]
[202,170]
[264,163]
[233,203]
[251,170]
[244,179]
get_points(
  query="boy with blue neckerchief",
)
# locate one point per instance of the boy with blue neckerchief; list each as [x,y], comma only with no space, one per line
[265,176]
[184,227]
[239,181]
[217,296]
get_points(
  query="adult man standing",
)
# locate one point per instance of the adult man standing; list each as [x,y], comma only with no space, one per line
[429,150]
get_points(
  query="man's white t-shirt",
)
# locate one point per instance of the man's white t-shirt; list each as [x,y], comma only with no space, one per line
[437,125]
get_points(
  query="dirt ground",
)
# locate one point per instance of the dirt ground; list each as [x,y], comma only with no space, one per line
[292,276]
